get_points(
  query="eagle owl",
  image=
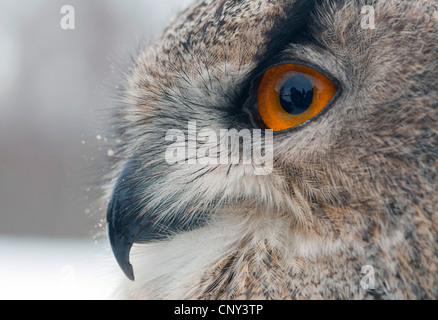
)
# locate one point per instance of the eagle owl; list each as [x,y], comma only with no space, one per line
[351,109]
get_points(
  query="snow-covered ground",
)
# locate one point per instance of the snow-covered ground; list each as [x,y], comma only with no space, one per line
[33,268]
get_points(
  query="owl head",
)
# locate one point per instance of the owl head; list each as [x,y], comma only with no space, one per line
[271,149]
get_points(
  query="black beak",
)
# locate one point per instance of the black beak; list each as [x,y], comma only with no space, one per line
[128,221]
[120,220]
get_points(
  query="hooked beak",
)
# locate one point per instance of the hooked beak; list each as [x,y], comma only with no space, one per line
[128,221]
[120,220]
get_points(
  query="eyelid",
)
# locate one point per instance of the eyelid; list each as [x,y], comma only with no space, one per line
[298,62]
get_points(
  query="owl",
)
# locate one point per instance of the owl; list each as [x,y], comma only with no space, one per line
[281,149]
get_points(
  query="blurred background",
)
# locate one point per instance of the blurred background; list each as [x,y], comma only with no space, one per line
[54,87]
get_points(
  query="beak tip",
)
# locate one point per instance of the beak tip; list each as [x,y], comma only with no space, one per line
[121,249]
[122,257]
[127,270]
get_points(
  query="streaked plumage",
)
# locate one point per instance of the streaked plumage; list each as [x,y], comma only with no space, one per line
[356,186]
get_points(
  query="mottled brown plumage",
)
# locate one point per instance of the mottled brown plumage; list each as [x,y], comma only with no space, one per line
[357,186]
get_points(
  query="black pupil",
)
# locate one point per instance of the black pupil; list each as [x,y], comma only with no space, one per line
[296,95]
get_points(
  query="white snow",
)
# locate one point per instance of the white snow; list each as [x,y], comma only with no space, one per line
[111,153]
[54,269]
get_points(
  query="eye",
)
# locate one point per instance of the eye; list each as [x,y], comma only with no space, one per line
[291,94]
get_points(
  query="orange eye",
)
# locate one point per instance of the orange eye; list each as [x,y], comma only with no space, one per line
[291,94]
